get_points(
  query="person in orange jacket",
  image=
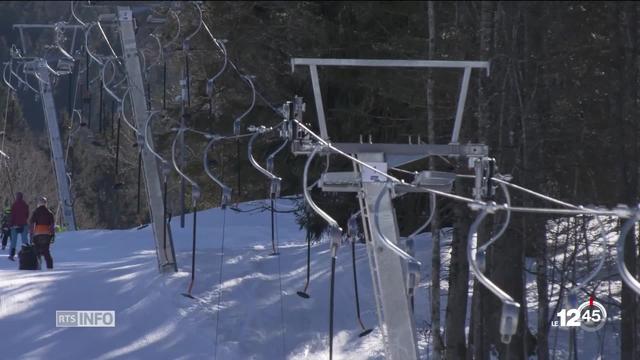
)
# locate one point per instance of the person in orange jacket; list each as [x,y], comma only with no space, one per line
[43,230]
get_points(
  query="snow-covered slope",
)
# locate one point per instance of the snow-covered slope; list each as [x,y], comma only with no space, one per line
[116,270]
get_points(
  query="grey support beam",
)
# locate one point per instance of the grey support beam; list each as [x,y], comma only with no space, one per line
[388,272]
[165,253]
[446,64]
[50,116]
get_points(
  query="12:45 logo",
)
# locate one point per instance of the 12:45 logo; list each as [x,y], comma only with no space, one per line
[590,316]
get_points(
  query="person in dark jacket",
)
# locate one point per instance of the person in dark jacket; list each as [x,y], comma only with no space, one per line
[19,217]
[6,225]
[42,230]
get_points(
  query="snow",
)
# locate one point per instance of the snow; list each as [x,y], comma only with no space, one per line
[117,270]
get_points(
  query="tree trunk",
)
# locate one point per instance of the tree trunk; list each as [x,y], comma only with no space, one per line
[456,314]
[627,168]
[435,222]
[478,307]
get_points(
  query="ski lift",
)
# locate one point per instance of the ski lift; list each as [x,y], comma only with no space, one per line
[510,308]
[165,169]
[226,190]
[383,239]
[224,201]
[572,296]
[210,89]
[7,81]
[625,274]
[195,195]
[334,233]
[352,234]
[274,191]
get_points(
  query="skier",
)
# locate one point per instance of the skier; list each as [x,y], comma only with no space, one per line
[43,230]
[19,217]
[6,225]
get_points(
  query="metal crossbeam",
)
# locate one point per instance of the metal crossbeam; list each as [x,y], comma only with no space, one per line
[446,64]
[46,26]
[313,64]
[399,154]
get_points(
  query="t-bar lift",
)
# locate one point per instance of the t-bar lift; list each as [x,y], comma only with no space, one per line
[388,270]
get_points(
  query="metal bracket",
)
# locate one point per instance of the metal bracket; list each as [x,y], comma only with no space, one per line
[313,64]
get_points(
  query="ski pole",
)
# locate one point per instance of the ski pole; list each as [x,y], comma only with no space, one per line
[303,293]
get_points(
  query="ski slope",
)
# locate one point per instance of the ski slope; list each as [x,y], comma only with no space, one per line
[117,270]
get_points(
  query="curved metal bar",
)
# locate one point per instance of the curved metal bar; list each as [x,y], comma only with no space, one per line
[626,275]
[505,224]
[4,77]
[45,81]
[195,189]
[51,70]
[86,44]
[268,172]
[72,133]
[105,84]
[432,206]
[385,241]
[147,136]
[253,161]
[124,78]
[307,195]
[179,29]
[23,81]
[326,168]
[160,52]
[271,157]
[211,80]
[113,73]
[26,79]
[220,45]
[482,249]
[471,257]
[96,78]
[73,13]
[237,121]
[122,112]
[188,38]
[59,34]
[143,57]
[510,308]
[592,275]
[226,190]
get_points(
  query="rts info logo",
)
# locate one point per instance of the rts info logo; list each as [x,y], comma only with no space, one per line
[590,316]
